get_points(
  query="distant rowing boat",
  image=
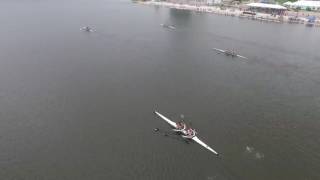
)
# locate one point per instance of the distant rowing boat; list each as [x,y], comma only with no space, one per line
[229,53]
[87,29]
[168,26]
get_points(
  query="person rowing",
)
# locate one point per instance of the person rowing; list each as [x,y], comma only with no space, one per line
[181,125]
[168,26]
[190,133]
[87,29]
[230,52]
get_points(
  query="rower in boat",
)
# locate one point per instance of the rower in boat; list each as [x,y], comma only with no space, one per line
[168,26]
[230,53]
[190,133]
[181,126]
[87,29]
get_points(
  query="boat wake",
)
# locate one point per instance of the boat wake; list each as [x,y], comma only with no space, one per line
[254,153]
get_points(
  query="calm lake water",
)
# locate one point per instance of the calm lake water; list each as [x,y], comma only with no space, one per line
[76,105]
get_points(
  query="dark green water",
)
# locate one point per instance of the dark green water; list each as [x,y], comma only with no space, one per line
[76,105]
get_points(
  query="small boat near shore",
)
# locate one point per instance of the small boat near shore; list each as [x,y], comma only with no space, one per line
[311,21]
[231,53]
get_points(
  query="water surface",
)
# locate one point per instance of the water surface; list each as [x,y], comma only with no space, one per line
[76,105]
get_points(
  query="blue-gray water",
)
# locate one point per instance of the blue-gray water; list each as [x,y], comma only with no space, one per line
[76,105]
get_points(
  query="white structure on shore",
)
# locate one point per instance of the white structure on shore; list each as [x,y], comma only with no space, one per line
[213,2]
[274,9]
[266,6]
[193,2]
[305,5]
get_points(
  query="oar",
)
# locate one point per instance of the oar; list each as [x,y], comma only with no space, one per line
[169,134]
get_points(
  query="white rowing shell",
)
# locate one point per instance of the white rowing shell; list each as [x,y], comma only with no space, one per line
[220,50]
[195,138]
[173,124]
[223,51]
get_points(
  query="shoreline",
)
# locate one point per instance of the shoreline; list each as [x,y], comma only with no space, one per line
[234,12]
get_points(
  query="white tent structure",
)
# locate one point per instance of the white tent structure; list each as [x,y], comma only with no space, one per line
[266,6]
[273,9]
[313,5]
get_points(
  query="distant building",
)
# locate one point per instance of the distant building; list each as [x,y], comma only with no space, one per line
[305,5]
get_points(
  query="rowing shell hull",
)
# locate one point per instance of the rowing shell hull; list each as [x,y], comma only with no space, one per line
[171,123]
[223,51]
[195,138]
[83,29]
[220,50]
